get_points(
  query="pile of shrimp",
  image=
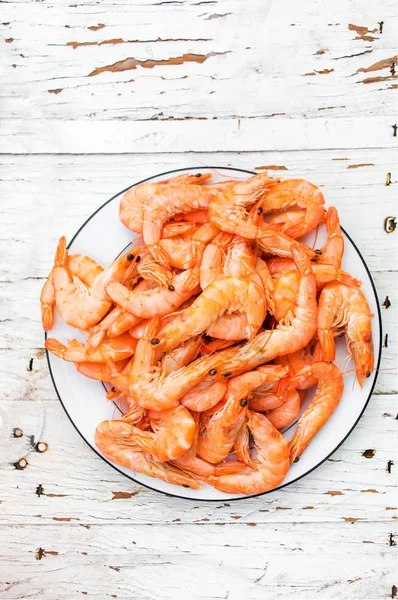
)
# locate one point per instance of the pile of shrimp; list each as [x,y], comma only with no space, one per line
[209,331]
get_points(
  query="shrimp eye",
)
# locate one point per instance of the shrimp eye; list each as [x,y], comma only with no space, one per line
[113,389]
[138,259]
[198,175]
[155,341]
[171,288]
[227,374]
[259,210]
[244,402]
[318,252]
[212,371]
[368,373]
[130,257]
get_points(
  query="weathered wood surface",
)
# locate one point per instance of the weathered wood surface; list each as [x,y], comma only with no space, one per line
[188,59]
[96,96]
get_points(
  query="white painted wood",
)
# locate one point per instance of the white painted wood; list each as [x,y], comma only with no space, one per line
[307,87]
[227,135]
[237,59]
[176,561]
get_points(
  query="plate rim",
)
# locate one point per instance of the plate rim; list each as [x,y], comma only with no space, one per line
[282,485]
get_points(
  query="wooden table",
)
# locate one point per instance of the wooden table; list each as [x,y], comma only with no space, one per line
[97,95]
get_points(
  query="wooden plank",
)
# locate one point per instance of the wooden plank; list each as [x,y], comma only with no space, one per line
[127,61]
[64,190]
[157,562]
[227,135]
[69,483]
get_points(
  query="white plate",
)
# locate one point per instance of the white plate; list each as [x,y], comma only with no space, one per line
[103,237]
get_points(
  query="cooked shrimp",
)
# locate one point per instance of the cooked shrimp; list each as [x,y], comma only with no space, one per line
[226,294]
[284,339]
[131,210]
[333,250]
[213,259]
[284,415]
[286,284]
[328,394]
[151,270]
[228,208]
[98,333]
[122,454]
[154,391]
[192,463]
[83,267]
[289,219]
[158,202]
[241,445]
[324,273]
[181,356]
[159,301]
[218,437]
[296,192]
[346,308]
[78,305]
[180,250]
[300,359]
[270,465]
[204,395]
[117,349]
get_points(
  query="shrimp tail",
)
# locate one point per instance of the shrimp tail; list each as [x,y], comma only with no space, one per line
[55,347]
[61,255]
[47,316]
[346,279]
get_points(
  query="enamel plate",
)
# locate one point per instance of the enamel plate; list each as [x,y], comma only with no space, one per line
[103,237]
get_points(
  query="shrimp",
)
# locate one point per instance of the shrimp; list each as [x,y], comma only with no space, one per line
[241,445]
[117,348]
[329,391]
[333,250]
[154,391]
[221,430]
[204,395]
[287,281]
[173,435]
[287,220]
[345,308]
[300,359]
[131,209]
[324,273]
[296,192]
[181,356]
[83,267]
[180,250]
[228,208]
[192,463]
[284,339]
[226,294]
[151,270]
[269,467]
[157,302]
[78,305]
[284,415]
[158,203]
[125,321]
[213,259]
[118,452]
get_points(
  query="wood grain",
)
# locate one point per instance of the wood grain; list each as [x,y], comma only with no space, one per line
[97,96]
